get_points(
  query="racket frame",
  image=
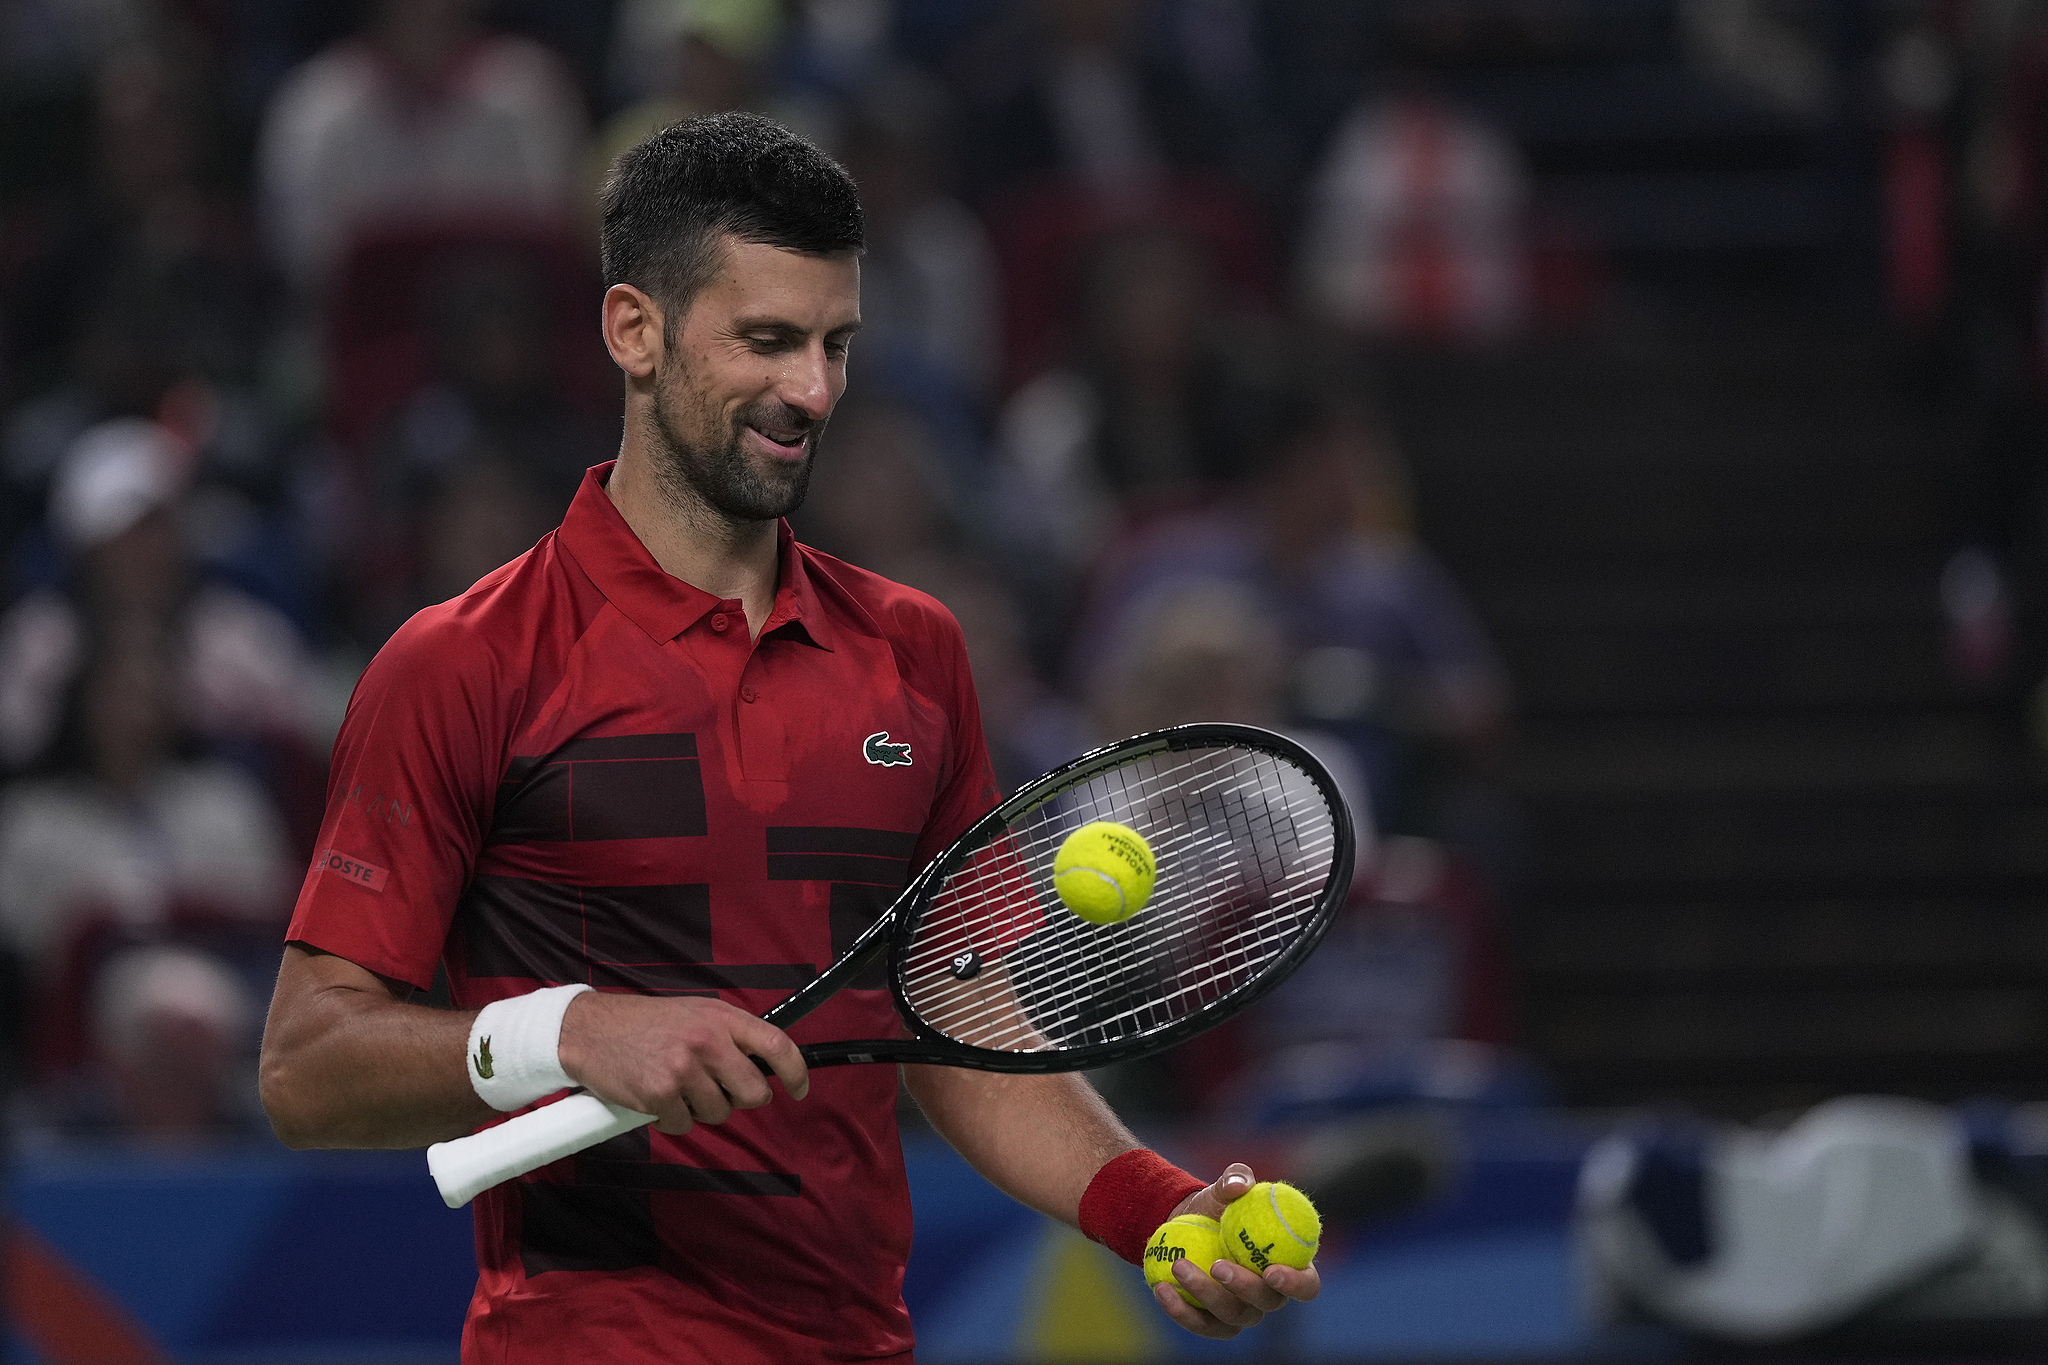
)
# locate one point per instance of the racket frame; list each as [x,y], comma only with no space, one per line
[895,929]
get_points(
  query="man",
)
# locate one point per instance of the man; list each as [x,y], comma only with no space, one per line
[633,759]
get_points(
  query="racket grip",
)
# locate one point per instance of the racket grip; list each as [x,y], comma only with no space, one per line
[466,1166]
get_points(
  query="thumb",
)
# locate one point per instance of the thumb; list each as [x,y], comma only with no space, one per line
[1211,1199]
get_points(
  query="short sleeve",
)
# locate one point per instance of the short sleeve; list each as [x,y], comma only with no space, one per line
[415,771]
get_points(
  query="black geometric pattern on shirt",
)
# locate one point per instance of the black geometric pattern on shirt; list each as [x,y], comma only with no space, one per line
[562,1227]
[652,939]
[627,1162]
[604,1219]
[617,787]
[832,853]
[853,909]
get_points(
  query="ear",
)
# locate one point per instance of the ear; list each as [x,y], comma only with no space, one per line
[633,330]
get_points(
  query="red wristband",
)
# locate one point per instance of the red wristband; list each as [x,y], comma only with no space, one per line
[1130,1197]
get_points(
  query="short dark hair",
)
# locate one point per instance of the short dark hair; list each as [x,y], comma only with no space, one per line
[668,200]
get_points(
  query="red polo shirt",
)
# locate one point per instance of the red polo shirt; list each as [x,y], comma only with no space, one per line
[583,769]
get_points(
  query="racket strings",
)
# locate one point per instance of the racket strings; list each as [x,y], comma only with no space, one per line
[1100,1001]
[1245,844]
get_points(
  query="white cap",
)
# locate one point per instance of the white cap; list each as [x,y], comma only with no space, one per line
[111,477]
[143,985]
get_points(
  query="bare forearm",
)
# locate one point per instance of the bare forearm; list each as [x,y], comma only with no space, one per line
[1039,1139]
[346,1065]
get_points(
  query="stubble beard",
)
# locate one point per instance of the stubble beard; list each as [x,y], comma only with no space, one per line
[713,473]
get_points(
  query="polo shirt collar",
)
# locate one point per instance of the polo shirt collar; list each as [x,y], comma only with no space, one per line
[662,605]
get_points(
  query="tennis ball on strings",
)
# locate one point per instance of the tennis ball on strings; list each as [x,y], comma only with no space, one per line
[1190,1237]
[1104,872]
[1271,1224]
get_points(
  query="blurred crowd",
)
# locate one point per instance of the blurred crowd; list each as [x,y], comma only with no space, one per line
[297,336]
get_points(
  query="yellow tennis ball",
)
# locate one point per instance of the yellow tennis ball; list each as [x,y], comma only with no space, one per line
[1190,1237]
[1271,1224]
[1104,872]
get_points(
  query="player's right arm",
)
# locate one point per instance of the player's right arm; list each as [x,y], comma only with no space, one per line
[349,1062]
[348,1059]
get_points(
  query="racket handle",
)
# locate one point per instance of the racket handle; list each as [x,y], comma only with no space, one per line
[467,1166]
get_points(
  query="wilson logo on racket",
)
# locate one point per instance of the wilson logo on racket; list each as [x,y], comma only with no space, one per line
[483,1057]
[877,749]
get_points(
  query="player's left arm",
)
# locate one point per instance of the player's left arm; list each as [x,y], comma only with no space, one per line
[1043,1139]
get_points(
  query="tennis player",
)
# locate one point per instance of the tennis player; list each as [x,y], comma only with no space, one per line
[636,786]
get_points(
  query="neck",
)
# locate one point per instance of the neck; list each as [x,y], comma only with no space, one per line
[693,541]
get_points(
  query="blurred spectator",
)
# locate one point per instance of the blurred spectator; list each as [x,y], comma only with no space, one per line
[880,499]
[425,116]
[125,822]
[1210,650]
[475,513]
[138,295]
[1777,52]
[490,426]
[393,328]
[1918,77]
[929,287]
[1415,226]
[173,1030]
[674,58]
[1076,128]
[1204,650]
[1380,646]
[1416,960]
[241,677]
[1156,409]
[1082,100]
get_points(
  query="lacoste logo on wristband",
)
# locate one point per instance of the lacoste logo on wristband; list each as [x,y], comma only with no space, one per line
[877,749]
[483,1057]
[355,869]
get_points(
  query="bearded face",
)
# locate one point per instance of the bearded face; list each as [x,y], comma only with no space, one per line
[703,455]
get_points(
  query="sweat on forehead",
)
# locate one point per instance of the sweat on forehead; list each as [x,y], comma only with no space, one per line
[670,203]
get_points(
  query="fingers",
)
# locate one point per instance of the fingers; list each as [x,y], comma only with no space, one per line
[673,1116]
[1195,1320]
[1218,1313]
[1211,1199]
[1246,1286]
[686,1061]
[1229,1296]
[1299,1285]
[762,1039]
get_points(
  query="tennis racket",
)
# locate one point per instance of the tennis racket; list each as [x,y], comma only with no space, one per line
[1254,847]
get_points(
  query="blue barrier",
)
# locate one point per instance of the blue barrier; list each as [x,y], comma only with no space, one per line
[262,1254]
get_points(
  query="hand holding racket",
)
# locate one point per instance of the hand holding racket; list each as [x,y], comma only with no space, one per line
[1254,849]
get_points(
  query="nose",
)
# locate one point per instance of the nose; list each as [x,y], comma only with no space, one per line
[812,382]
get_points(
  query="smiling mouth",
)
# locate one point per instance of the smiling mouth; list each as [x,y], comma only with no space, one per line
[792,443]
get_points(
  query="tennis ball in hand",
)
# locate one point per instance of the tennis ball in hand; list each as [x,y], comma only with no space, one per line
[1271,1224]
[1104,872]
[1190,1237]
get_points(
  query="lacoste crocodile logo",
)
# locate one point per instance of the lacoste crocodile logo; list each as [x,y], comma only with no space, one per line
[483,1057]
[877,749]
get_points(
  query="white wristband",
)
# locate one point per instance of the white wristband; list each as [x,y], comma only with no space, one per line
[514,1048]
